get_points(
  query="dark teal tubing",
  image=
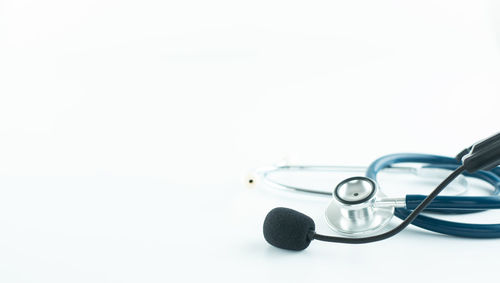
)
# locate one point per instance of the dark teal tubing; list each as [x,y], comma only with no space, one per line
[445,204]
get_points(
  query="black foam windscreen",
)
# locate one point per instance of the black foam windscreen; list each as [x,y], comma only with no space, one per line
[288,229]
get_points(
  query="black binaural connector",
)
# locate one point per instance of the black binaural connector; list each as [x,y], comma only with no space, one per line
[484,155]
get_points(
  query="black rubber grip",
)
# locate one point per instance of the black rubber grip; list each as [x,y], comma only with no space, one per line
[484,156]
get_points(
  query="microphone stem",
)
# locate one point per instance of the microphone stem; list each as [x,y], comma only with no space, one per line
[401,226]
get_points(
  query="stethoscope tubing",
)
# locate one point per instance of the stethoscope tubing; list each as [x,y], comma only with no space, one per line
[445,204]
[460,204]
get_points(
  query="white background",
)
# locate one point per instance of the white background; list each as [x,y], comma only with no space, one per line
[126,128]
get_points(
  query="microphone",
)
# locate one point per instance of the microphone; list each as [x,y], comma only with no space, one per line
[288,229]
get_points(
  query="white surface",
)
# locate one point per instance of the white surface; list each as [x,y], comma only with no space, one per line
[126,127]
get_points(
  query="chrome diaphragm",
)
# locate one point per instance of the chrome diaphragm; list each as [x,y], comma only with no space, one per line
[353,210]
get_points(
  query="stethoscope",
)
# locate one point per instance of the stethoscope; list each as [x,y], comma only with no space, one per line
[359,209]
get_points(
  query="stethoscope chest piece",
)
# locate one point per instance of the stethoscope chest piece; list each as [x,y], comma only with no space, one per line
[353,210]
